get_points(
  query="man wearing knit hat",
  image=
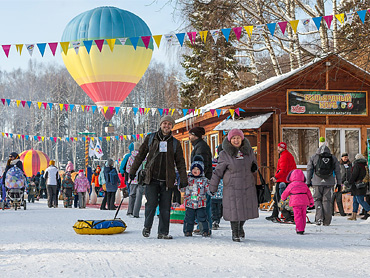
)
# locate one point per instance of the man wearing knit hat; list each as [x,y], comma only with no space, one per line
[164,153]
[285,164]
[200,147]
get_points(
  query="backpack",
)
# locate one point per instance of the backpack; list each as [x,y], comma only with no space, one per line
[113,177]
[15,178]
[325,165]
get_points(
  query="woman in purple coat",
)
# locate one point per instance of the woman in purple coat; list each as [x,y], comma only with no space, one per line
[236,165]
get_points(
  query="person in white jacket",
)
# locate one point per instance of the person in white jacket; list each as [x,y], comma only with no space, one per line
[52,178]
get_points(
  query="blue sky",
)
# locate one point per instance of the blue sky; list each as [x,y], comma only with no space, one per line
[38,21]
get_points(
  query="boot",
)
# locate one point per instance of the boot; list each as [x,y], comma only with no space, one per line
[366,215]
[235,230]
[241,230]
[353,216]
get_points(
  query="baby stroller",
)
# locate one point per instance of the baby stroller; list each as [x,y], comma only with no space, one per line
[15,184]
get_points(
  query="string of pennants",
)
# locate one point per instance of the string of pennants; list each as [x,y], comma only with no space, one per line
[73,139]
[179,38]
[116,110]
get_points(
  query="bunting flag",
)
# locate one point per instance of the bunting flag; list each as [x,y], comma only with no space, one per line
[328,19]
[340,17]
[41,47]
[271,27]
[306,24]
[282,26]
[6,49]
[192,36]
[226,33]
[181,38]
[249,30]
[76,46]
[53,47]
[294,24]
[88,45]
[64,46]
[122,40]
[157,39]
[146,41]
[362,15]
[349,17]
[99,44]
[215,34]
[30,48]
[134,41]
[111,43]
[203,35]
[237,32]
[19,48]
[317,21]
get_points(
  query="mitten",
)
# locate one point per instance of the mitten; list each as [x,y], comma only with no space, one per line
[339,187]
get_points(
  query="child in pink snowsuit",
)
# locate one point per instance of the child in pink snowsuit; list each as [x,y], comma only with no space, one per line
[300,198]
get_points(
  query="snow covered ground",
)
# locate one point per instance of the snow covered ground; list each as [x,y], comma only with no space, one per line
[40,242]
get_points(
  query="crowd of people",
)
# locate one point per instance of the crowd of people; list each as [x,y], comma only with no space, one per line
[223,187]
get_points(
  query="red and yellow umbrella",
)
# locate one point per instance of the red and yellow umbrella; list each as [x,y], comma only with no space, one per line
[34,161]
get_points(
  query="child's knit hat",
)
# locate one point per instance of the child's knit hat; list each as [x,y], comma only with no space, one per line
[198,162]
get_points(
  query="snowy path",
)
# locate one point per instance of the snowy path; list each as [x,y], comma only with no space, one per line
[40,242]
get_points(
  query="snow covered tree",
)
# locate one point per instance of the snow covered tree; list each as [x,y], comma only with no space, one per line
[210,67]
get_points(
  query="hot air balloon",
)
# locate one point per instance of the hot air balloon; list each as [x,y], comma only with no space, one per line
[34,161]
[107,77]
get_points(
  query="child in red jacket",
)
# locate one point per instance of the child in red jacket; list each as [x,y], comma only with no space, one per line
[300,198]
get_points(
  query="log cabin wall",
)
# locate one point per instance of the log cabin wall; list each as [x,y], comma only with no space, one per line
[331,73]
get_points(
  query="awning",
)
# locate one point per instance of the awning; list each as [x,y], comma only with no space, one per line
[253,122]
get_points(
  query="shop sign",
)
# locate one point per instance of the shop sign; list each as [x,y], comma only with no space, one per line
[325,102]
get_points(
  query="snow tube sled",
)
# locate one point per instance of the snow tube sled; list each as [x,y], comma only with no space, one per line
[100,227]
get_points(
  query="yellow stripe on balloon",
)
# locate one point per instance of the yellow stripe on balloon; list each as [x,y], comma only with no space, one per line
[43,161]
[124,64]
[27,164]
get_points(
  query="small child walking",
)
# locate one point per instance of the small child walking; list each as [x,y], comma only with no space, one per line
[67,189]
[300,198]
[196,198]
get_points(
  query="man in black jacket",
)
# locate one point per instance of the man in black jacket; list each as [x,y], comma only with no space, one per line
[164,153]
[200,147]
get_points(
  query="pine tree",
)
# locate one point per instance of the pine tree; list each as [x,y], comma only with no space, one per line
[210,67]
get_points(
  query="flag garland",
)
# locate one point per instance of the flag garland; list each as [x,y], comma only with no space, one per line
[38,138]
[179,38]
[113,110]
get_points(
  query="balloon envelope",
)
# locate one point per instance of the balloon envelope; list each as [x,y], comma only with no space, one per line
[34,161]
[108,76]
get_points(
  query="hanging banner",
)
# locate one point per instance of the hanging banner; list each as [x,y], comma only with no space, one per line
[326,102]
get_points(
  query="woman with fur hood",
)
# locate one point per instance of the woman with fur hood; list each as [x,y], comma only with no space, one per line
[236,165]
[300,198]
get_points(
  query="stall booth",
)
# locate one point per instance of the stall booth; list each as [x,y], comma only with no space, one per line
[325,98]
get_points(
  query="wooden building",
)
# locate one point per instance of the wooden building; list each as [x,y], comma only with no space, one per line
[325,98]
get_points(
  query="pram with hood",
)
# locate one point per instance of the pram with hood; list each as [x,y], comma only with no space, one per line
[15,183]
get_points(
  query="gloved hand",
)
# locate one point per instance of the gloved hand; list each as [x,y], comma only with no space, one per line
[132,176]
[338,187]
[309,184]
[254,167]
[311,205]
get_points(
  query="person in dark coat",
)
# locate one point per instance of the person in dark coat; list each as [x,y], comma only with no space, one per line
[43,192]
[357,176]
[236,165]
[164,154]
[200,147]
[110,185]
[345,172]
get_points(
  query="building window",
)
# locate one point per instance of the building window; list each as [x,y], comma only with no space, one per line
[302,143]
[342,140]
